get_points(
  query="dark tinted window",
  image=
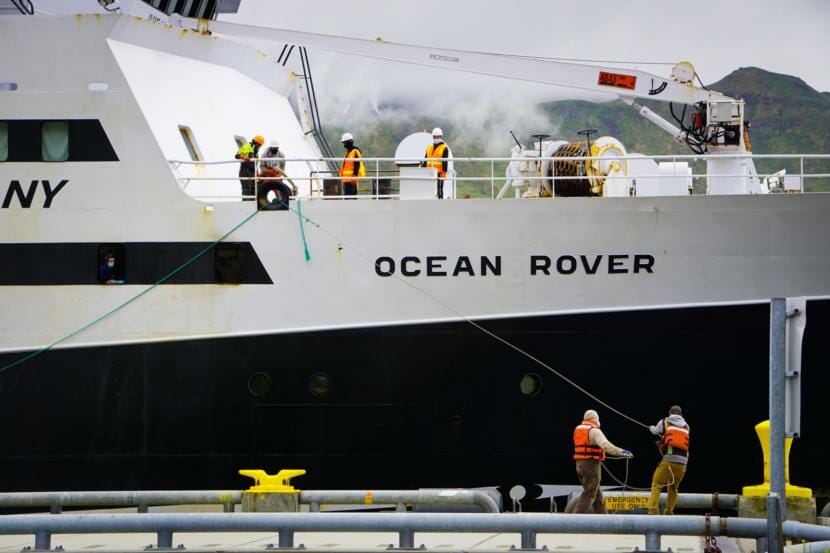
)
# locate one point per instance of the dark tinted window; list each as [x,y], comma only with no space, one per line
[230,263]
[27,140]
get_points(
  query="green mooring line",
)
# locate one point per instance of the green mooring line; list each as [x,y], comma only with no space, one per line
[162,280]
[302,230]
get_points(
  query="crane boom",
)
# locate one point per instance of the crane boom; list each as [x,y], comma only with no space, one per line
[624,83]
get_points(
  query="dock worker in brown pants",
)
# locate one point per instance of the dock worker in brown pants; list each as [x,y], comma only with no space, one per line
[673,432]
[590,447]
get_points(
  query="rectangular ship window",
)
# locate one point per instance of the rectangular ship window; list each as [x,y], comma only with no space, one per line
[54,141]
[4,141]
[190,143]
[230,263]
[119,271]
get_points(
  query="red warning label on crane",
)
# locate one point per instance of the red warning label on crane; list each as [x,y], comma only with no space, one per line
[618,80]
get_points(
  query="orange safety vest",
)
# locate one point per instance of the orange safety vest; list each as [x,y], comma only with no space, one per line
[347,167]
[675,439]
[437,152]
[583,448]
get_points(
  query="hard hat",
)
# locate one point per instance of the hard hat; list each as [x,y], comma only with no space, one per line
[437,132]
[346,137]
[274,143]
[259,139]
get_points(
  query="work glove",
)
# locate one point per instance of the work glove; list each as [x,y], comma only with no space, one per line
[627,454]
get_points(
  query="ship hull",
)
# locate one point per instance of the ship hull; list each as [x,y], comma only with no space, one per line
[430,405]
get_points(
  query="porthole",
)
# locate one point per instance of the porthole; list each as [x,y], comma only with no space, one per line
[531,384]
[319,384]
[259,384]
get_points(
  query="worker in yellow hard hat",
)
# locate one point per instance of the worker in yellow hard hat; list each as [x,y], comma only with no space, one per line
[247,169]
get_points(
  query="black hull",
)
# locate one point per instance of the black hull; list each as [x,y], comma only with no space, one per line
[410,406]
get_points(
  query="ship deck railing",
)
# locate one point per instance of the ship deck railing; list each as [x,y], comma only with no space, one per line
[487,177]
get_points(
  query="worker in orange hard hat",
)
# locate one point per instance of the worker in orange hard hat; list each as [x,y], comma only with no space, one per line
[247,169]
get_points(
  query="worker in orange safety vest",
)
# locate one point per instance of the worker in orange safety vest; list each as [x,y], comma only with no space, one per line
[352,169]
[436,157]
[590,447]
[673,432]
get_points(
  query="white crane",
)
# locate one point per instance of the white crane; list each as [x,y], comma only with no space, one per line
[717,124]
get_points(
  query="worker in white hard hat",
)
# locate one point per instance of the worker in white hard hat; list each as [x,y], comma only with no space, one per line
[352,169]
[436,157]
[271,166]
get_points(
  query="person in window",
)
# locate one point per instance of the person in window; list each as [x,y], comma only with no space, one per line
[107,273]
[247,168]
[270,175]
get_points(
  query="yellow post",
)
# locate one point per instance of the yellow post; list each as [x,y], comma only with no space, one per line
[762,490]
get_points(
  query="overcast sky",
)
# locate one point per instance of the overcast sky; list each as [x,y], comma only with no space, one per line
[717,36]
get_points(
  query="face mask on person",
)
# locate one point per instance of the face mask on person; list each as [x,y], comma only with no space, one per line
[436,141]
[110,263]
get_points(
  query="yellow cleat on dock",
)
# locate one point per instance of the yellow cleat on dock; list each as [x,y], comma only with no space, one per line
[272,483]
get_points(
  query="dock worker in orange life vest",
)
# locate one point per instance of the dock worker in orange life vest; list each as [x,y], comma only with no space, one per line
[590,447]
[435,152]
[352,166]
[674,447]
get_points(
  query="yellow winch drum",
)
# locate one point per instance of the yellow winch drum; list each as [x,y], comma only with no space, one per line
[590,173]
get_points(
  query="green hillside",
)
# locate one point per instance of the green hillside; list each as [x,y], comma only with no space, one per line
[786,114]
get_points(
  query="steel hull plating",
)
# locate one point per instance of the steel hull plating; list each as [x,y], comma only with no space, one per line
[407,406]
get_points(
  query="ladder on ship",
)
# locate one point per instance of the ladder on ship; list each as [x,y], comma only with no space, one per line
[202,9]
[13,7]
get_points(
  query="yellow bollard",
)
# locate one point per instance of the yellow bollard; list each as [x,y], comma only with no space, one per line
[762,490]
[271,492]
[274,483]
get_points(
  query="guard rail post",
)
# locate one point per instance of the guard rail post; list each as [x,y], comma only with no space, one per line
[528,540]
[286,539]
[652,541]
[43,541]
[164,539]
[406,539]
